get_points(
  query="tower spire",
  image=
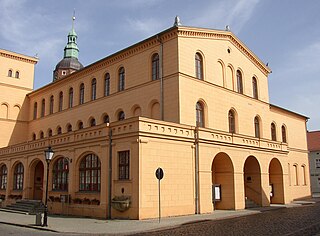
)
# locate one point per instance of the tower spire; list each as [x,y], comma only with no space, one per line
[73,18]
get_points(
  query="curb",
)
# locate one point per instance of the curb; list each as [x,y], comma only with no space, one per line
[30,227]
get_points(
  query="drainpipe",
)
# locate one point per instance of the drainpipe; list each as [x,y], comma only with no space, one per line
[110,174]
[196,144]
[161,77]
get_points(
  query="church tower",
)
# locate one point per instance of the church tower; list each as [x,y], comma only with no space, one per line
[70,62]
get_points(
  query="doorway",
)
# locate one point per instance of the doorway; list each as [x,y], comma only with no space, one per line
[38,181]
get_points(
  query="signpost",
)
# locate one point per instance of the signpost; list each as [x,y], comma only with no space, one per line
[159,176]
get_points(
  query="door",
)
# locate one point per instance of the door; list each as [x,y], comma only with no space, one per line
[38,181]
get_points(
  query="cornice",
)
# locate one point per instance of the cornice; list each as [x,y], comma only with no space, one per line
[224,35]
[18,57]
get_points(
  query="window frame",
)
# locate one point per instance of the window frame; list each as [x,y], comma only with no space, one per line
[86,172]
[232,121]
[239,82]
[18,176]
[107,85]
[198,66]
[257,127]
[81,94]
[43,107]
[199,114]
[3,177]
[273,130]
[35,110]
[60,174]
[284,134]
[70,97]
[93,89]
[155,66]
[124,165]
[51,110]
[255,93]
[121,79]
[60,108]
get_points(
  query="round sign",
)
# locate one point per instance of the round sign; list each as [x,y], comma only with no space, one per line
[159,173]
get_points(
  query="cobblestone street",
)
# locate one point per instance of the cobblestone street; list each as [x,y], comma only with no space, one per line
[304,220]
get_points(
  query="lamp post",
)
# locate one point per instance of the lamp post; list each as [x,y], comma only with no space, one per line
[48,154]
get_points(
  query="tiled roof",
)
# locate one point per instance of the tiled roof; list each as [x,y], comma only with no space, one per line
[313,138]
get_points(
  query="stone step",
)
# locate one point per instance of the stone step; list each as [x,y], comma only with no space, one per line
[26,206]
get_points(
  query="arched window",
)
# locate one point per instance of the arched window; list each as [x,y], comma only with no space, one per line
[60,174]
[284,134]
[93,89]
[256,127]
[295,167]
[80,125]
[43,107]
[41,134]
[17,74]
[90,175]
[51,104]
[107,85]
[9,73]
[121,115]
[3,177]
[232,122]
[106,119]
[121,79]
[273,132]
[18,177]
[81,97]
[35,110]
[254,88]
[199,115]
[304,181]
[70,97]
[60,101]
[155,67]
[239,82]
[69,128]
[34,137]
[199,66]
[49,132]
[59,130]
[92,122]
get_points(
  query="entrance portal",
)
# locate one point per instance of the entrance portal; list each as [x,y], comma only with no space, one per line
[38,181]
[276,182]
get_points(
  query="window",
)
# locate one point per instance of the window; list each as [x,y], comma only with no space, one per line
[41,134]
[81,94]
[121,79]
[17,74]
[10,73]
[60,174]
[92,122]
[69,128]
[89,171]
[124,165]
[93,89]
[35,110]
[296,174]
[3,177]
[121,115]
[18,177]
[107,85]
[254,88]
[60,101]
[256,127]
[70,97]
[273,132]
[155,67]
[239,82]
[51,104]
[80,125]
[284,134]
[49,132]
[43,107]
[199,115]
[59,130]
[34,137]
[106,119]
[232,122]
[199,66]
[304,182]
[317,163]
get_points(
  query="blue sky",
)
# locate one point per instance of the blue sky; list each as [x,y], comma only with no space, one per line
[284,33]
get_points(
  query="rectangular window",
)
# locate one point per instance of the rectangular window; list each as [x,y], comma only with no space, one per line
[317,163]
[124,162]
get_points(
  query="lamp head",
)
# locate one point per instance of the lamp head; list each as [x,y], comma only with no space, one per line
[48,153]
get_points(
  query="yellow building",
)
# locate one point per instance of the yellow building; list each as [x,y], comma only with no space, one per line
[192,101]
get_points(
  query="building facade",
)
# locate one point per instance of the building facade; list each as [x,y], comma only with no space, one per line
[314,161]
[192,101]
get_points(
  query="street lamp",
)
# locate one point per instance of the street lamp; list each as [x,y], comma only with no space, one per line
[48,154]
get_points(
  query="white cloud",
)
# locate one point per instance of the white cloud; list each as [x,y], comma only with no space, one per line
[234,13]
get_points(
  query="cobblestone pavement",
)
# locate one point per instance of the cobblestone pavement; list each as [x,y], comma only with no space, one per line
[303,220]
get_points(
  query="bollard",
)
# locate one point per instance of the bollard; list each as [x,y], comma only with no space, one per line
[38,219]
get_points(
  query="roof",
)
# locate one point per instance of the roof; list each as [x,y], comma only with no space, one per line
[69,63]
[313,138]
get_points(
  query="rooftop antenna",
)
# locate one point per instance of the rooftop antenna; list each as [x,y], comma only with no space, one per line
[177,21]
